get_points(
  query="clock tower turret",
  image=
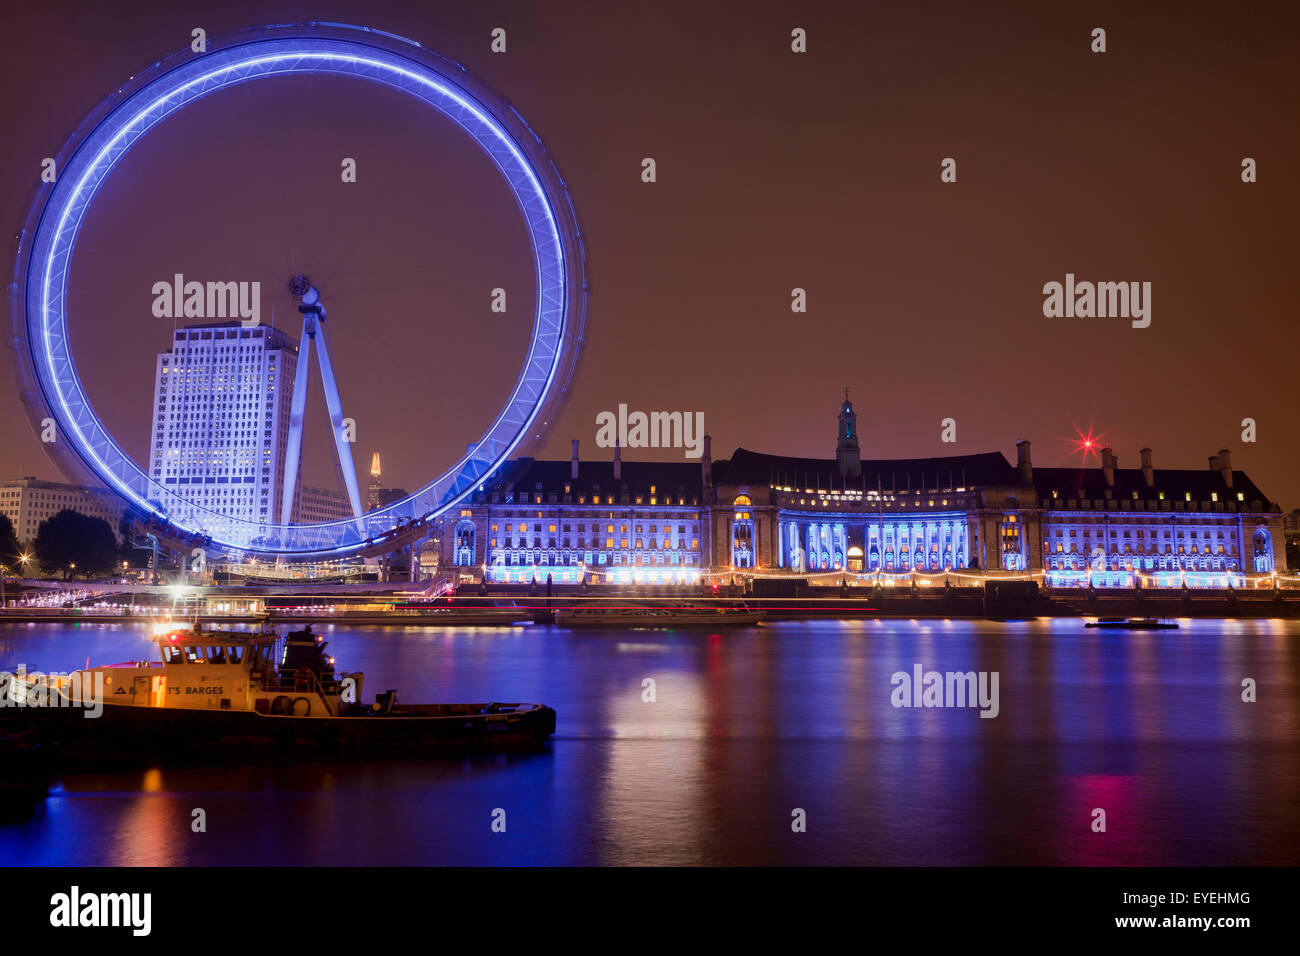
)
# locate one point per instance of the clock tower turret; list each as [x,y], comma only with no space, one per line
[847,453]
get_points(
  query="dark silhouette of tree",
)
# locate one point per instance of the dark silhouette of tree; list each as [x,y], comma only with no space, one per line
[10,549]
[75,545]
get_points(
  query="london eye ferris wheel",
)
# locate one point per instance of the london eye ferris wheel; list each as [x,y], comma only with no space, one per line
[47,371]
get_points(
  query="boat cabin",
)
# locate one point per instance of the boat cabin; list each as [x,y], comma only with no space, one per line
[213,669]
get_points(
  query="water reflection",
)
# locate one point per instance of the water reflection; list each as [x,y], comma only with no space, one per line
[745,729]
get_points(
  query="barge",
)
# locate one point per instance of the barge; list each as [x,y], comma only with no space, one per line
[1133,624]
[705,616]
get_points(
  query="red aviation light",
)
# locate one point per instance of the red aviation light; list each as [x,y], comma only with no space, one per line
[1086,445]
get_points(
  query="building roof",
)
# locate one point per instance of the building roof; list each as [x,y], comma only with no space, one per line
[669,477]
[1175,483]
[955,471]
[745,467]
[274,338]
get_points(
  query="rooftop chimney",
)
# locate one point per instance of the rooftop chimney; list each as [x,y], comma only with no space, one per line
[618,460]
[1225,466]
[1214,463]
[573,462]
[706,462]
[1023,463]
[1148,473]
[1108,463]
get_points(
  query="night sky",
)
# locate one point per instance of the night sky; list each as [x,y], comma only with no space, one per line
[775,170]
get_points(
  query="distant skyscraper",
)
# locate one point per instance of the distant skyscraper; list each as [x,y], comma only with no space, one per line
[221,420]
[372,490]
[388,496]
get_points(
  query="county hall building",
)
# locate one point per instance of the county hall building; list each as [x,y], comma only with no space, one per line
[621,522]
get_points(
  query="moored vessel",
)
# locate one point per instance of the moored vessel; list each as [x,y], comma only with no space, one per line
[658,616]
[214,688]
[1133,624]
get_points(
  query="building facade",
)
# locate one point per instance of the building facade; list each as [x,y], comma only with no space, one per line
[772,515]
[575,521]
[318,505]
[28,501]
[222,399]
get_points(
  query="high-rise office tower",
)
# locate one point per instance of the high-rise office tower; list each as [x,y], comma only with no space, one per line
[372,490]
[220,422]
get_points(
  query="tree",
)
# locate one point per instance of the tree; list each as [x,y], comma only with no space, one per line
[10,549]
[76,544]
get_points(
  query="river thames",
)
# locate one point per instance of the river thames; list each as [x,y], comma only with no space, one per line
[746,729]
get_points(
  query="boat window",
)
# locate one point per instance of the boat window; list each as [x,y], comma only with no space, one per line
[216,655]
[193,654]
[266,651]
[235,653]
[172,654]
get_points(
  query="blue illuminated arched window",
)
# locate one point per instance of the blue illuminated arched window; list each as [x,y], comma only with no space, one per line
[1262,546]
[465,536]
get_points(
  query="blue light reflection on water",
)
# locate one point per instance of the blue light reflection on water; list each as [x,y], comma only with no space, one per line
[746,727]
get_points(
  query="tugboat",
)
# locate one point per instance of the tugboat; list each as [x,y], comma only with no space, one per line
[218,688]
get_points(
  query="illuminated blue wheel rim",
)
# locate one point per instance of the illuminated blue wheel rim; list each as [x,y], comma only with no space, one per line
[47,367]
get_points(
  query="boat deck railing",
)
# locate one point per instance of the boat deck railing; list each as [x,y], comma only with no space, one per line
[328,690]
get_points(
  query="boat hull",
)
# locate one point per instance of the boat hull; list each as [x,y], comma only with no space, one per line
[1132,625]
[665,621]
[162,733]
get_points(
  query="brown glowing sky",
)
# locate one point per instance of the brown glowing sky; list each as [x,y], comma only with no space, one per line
[776,170]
